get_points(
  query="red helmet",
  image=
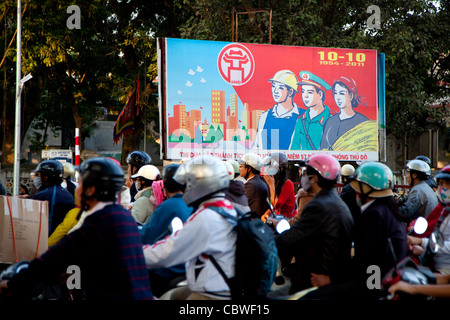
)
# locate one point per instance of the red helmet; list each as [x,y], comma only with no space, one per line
[326,165]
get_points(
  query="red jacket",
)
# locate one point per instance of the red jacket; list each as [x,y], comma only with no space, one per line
[286,200]
[432,219]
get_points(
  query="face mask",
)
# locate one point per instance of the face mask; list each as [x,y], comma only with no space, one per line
[305,182]
[37,182]
[443,195]
[137,184]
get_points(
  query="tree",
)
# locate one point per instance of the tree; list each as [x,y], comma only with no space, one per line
[82,70]
[412,34]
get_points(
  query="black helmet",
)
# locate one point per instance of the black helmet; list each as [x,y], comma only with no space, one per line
[167,175]
[424,159]
[105,175]
[53,169]
[138,159]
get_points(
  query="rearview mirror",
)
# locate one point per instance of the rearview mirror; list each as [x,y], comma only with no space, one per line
[176,224]
[421,225]
[282,226]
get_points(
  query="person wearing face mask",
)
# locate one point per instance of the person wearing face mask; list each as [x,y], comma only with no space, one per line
[377,229]
[107,247]
[438,218]
[421,199]
[321,239]
[47,180]
[281,189]
[348,194]
[135,160]
[145,200]
[303,197]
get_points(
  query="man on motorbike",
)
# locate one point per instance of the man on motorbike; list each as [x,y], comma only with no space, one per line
[135,160]
[107,248]
[157,228]
[205,233]
[321,239]
[438,219]
[256,189]
[49,175]
[421,199]
[379,235]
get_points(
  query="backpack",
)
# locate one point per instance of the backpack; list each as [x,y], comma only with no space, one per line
[256,256]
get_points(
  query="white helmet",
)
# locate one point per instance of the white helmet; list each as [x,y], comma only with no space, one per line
[203,176]
[69,170]
[347,170]
[235,165]
[230,169]
[149,172]
[252,160]
[419,166]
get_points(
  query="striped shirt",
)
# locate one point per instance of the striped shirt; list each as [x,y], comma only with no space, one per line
[107,248]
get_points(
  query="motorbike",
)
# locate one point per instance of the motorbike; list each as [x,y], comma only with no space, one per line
[412,271]
[8,273]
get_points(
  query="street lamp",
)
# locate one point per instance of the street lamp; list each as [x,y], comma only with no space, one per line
[19,86]
[16,184]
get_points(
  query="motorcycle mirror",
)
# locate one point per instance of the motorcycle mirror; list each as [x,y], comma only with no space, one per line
[436,241]
[282,226]
[421,225]
[176,224]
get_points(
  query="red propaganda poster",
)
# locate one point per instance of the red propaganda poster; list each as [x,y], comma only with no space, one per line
[228,99]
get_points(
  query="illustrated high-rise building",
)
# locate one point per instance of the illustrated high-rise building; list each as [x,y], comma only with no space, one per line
[234,104]
[218,106]
[178,120]
[193,121]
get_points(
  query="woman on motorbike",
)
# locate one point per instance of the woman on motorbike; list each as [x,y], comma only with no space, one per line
[281,189]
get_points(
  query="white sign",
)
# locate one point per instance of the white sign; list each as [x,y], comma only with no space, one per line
[55,154]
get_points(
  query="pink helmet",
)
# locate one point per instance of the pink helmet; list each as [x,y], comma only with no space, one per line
[327,165]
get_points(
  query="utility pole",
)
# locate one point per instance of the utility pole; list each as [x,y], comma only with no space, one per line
[16,184]
[19,85]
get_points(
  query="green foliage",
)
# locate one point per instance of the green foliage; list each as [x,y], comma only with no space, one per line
[77,71]
[413,36]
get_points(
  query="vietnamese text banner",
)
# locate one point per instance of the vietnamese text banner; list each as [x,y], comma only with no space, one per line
[229,99]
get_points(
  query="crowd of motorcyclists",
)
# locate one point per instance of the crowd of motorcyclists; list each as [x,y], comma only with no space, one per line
[117,225]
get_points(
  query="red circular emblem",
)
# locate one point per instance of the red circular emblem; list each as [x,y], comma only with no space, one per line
[236,64]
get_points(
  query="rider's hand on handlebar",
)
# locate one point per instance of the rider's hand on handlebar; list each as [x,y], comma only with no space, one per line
[402,286]
[319,280]
[3,287]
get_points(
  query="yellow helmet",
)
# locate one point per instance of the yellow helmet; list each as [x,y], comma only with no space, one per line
[286,77]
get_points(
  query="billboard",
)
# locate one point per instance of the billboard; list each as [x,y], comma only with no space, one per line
[227,99]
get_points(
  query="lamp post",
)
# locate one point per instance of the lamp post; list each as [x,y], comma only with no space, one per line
[19,85]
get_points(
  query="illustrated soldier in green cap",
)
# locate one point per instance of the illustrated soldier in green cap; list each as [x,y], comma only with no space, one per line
[309,127]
